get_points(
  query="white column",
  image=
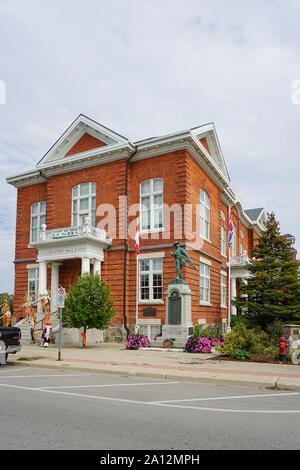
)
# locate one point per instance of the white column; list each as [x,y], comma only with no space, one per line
[97,267]
[233,295]
[42,277]
[85,266]
[54,285]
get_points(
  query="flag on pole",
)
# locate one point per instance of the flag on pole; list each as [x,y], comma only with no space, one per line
[230,229]
[137,239]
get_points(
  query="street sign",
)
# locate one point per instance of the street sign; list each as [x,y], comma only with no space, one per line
[61,292]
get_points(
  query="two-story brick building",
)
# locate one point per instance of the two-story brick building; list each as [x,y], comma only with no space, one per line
[75,208]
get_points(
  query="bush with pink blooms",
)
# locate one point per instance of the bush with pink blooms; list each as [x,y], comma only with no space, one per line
[196,344]
[137,341]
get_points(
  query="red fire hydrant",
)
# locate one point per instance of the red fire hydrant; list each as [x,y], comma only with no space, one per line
[83,339]
[282,345]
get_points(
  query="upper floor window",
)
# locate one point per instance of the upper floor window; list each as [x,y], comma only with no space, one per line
[151,204]
[223,241]
[204,215]
[233,245]
[84,204]
[37,219]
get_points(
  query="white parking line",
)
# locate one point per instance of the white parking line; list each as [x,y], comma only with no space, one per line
[10,370]
[107,385]
[226,398]
[44,375]
[164,405]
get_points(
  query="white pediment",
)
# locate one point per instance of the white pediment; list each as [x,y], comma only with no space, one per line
[207,137]
[81,126]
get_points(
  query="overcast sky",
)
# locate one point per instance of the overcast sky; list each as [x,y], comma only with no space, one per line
[150,67]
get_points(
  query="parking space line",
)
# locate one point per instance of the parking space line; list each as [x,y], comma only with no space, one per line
[164,405]
[44,375]
[225,410]
[107,385]
[10,370]
[227,397]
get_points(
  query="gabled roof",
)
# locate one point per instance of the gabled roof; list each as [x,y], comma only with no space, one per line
[208,139]
[254,214]
[78,130]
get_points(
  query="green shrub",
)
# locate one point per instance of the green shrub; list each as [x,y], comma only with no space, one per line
[241,354]
[201,331]
[275,331]
[242,319]
[252,340]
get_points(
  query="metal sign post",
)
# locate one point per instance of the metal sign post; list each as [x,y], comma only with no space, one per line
[60,304]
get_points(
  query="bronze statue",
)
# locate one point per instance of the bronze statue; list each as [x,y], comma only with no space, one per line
[181,257]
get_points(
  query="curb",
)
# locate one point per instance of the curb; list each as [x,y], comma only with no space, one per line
[275,382]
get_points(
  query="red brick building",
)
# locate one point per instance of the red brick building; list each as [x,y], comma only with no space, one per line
[72,211]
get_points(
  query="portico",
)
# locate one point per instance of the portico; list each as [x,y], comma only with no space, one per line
[56,246]
[238,273]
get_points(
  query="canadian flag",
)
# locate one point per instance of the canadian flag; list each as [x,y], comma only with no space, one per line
[137,238]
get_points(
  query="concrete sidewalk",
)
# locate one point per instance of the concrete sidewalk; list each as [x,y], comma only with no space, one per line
[111,358]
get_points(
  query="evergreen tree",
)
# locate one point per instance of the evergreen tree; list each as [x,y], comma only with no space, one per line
[88,304]
[272,291]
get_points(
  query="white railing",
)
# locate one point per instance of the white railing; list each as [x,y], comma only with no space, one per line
[72,232]
[239,260]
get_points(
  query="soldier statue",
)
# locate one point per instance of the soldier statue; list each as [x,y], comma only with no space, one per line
[181,257]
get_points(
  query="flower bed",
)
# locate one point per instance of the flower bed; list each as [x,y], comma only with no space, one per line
[203,345]
[137,341]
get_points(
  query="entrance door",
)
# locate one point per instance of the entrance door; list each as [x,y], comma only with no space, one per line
[174,306]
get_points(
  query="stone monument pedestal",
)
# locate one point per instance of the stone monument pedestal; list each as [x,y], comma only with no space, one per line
[178,324]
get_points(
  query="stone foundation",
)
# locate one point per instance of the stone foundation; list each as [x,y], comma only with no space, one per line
[292,334]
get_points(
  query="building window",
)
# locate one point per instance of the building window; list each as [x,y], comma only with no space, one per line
[33,283]
[151,204]
[151,280]
[223,290]
[84,204]
[150,330]
[204,215]
[37,219]
[223,215]
[223,241]
[204,282]
[242,249]
[233,244]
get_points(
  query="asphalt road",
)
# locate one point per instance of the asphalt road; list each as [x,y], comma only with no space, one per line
[50,409]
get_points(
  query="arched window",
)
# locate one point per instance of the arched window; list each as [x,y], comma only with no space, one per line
[84,204]
[151,204]
[37,219]
[204,215]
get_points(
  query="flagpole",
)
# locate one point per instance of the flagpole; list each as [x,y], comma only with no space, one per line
[137,252]
[229,281]
[137,296]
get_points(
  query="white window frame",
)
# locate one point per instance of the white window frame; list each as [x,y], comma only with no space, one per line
[223,241]
[151,272]
[152,208]
[223,285]
[41,219]
[233,244]
[242,249]
[34,279]
[205,266]
[204,220]
[146,327]
[90,211]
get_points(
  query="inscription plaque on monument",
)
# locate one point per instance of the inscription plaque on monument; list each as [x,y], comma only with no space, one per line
[174,309]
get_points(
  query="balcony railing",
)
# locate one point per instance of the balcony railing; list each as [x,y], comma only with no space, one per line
[72,232]
[239,260]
